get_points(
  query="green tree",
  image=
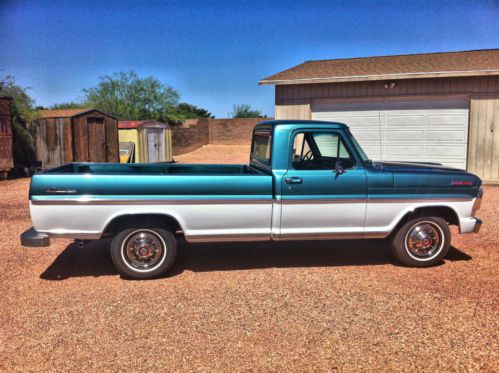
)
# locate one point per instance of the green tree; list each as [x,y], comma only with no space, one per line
[192,111]
[23,113]
[245,111]
[128,97]
[68,105]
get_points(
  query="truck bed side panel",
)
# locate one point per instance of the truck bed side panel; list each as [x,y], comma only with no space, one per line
[208,208]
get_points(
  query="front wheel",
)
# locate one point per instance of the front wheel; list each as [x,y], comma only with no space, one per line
[143,253]
[422,242]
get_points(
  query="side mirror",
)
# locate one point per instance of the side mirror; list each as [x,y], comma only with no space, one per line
[339,169]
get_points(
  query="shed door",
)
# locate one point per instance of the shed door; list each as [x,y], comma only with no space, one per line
[429,130]
[96,140]
[155,145]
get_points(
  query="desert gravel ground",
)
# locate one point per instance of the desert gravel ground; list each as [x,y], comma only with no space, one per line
[305,306]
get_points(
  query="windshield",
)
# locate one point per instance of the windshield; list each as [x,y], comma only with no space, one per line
[365,158]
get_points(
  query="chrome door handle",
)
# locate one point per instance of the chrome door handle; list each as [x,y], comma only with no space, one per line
[293,180]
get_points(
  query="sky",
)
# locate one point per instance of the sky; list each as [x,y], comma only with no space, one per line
[215,52]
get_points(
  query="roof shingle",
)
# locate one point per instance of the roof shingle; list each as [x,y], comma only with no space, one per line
[467,63]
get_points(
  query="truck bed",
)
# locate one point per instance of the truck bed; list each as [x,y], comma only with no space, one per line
[80,200]
[154,169]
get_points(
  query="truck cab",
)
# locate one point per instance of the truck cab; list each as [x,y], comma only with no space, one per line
[314,165]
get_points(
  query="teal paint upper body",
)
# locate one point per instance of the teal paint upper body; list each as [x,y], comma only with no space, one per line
[260,179]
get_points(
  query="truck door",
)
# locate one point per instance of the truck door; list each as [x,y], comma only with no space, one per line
[324,191]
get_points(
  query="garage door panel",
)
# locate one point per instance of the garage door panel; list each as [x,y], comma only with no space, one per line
[373,151]
[349,113]
[457,135]
[403,150]
[366,121]
[403,135]
[453,120]
[405,120]
[366,135]
[449,150]
[346,106]
[426,104]
[333,119]
[359,119]
[429,130]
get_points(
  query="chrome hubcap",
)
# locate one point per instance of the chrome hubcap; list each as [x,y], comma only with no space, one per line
[424,240]
[143,250]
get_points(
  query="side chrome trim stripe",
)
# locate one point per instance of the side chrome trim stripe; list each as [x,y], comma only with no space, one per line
[310,201]
[139,201]
[372,200]
[165,201]
[329,236]
[228,237]
[436,199]
[245,237]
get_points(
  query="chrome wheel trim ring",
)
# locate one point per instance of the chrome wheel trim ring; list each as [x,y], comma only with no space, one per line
[143,250]
[424,241]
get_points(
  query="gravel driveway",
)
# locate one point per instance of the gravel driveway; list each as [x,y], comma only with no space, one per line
[321,306]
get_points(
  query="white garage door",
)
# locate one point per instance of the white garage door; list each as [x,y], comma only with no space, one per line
[433,130]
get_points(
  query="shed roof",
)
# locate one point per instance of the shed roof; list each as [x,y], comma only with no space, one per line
[130,124]
[63,113]
[68,113]
[427,65]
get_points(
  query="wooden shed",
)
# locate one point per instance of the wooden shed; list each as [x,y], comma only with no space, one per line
[152,139]
[6,159]
[76,135]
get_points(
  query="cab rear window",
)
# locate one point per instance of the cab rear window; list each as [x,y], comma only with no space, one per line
[261,146]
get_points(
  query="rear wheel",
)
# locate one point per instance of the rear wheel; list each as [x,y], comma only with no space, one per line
[143,253]
[422,242]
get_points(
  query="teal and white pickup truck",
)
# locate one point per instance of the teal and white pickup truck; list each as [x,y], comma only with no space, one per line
[306,180]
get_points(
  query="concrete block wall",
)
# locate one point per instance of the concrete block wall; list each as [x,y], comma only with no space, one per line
[192,134]
[195,133]
[235,131]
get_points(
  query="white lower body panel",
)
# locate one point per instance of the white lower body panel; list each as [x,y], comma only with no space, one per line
[383,216]
[325,219]
[199,222]
[245,222]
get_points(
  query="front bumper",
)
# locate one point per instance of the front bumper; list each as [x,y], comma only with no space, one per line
[33,238]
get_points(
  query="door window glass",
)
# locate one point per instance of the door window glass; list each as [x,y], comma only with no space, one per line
[320,151]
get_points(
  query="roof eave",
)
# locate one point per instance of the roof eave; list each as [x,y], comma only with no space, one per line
[359,78]
[76,115]
[97,110]
[50,116]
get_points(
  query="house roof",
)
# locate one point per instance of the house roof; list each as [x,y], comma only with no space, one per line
[409,66]
[130,124]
